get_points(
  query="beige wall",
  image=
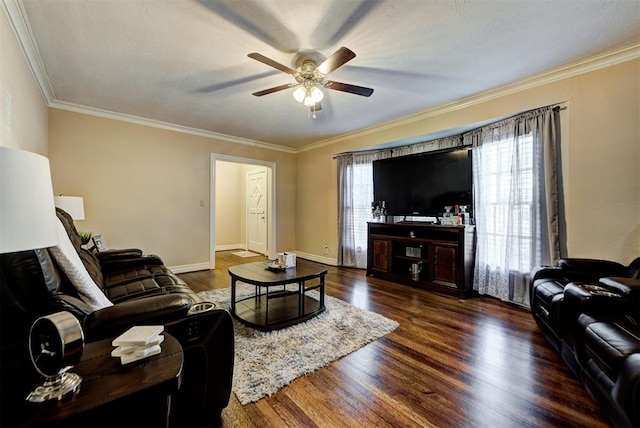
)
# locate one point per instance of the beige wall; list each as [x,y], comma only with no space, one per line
[230,224]
[23,112]
[601,158]
[142,185]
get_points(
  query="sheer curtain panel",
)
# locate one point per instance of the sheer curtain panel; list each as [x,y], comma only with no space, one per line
[515,202]
[355,195]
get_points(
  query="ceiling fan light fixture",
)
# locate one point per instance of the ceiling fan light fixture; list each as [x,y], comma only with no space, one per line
[308,100]
[300,93]
[316,94]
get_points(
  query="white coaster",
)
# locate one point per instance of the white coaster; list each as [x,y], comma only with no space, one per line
[138,335]
[148,352]
[135,349]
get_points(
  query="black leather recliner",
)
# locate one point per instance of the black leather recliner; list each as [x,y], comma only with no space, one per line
[548,284]
[589,310]
[143,291]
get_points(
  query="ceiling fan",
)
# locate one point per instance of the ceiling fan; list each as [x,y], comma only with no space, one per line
[310,75]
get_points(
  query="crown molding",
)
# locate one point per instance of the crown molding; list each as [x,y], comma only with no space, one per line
[107,114]
[587,65]
[15,12]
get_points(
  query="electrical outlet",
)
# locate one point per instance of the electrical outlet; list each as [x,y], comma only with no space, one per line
[202,202]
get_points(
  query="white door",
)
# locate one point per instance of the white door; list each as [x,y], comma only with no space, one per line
[257,211]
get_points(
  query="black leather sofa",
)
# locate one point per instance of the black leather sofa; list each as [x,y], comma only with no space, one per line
[589,310]
[143,291]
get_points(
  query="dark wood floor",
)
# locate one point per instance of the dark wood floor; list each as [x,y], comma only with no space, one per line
[463,363]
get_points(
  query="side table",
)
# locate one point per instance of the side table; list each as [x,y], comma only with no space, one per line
[112,394]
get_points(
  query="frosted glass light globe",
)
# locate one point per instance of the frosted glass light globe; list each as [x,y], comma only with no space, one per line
[299,93]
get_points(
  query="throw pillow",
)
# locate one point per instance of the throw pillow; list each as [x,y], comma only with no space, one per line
[69,261]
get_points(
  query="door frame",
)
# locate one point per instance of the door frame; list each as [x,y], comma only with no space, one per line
[271,203]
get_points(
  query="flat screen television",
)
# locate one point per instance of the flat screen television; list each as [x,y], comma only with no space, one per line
[423,184]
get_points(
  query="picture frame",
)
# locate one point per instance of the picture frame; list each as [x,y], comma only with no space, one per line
[99,243]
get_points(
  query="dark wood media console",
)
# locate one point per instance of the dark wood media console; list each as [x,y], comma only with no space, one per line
[443,255]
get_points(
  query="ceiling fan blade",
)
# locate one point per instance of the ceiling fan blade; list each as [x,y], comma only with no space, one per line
[275,89]
[263,59]
[339,57]
[346,87]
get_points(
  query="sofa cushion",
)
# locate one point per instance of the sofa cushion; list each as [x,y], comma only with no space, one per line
[69,261]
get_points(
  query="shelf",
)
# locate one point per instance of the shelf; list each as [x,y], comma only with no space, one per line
[446,254]
[283,310]
[412,259]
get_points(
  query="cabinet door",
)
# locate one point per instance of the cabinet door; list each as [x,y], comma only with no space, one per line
[381,255]
[445,270]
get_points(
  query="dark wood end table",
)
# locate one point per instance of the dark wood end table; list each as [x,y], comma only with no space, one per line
[273,305]
[113,394]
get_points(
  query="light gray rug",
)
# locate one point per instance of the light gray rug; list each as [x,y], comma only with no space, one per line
[267,361]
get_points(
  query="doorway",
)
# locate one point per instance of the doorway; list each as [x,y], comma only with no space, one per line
[261,191]
[256,212]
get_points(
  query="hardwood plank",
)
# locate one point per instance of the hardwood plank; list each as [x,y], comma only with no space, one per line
[451,362]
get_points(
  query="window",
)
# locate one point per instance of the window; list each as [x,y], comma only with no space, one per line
[515,202]
[508,202]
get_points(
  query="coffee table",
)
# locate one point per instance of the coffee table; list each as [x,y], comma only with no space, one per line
[274,305]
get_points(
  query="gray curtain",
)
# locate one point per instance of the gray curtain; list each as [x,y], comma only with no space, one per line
[515,179]
[429,146]
[355,195]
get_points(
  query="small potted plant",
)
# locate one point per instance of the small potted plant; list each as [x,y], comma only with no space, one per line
[85,238]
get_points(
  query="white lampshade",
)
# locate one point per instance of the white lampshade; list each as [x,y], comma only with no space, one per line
[73,205]
[27,213]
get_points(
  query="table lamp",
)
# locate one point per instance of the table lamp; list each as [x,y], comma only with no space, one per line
[73,205]
[27,213]
[28,222]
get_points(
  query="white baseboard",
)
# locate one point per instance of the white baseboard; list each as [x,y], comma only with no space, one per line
[315,258]
[189,268]
[205,265]
[228,247]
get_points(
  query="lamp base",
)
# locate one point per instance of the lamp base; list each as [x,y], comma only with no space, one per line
[56,387]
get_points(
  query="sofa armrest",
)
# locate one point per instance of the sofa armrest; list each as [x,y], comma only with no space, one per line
[541,272]
[115,320]
[118,254]
[130,263]
[629,287]
[592,267]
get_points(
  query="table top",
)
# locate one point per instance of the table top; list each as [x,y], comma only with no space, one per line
[257,273]
[105,379]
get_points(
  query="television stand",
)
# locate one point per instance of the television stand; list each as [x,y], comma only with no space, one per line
[430,256]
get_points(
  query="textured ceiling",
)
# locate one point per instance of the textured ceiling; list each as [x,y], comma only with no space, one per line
[185,62]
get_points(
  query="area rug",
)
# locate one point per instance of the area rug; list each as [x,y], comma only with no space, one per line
[245,254]
[267,361]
